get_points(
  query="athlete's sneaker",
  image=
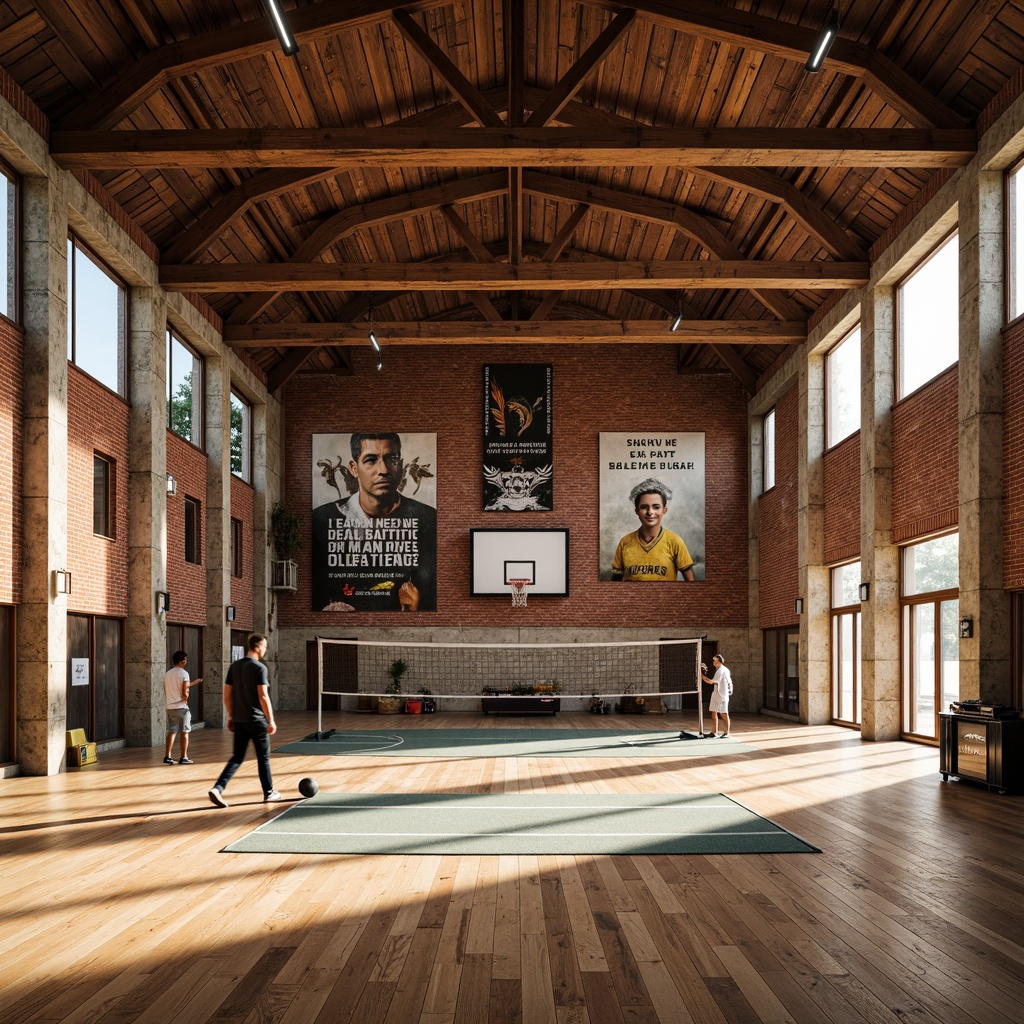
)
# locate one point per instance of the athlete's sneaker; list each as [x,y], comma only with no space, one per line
[186,760]
[217,797]
[269,798]
[169,760]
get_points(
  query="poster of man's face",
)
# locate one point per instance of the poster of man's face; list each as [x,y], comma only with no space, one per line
[374,522]
[652,506]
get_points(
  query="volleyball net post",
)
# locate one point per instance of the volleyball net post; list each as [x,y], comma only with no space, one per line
[461,673]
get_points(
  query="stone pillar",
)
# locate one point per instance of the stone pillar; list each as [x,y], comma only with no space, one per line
[815,689]
[146,631]
[42,614]
[217,633]
[985,658]
[880,614]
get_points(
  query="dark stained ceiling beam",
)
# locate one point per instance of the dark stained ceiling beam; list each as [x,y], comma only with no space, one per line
[568,332]
[513,147]
[221,278]
[736,365]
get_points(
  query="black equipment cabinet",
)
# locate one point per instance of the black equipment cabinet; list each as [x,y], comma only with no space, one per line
[985,750]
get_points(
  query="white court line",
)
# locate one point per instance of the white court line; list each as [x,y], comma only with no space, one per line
[527,835]
[514,807]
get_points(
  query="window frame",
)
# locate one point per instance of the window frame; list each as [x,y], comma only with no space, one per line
[106,519]
[838,615]
[194,543]
[830,441]
[768,450]
[1015,171]
[244,472]
[76,245]
[237,549]
[13,238]
[918,267]
[198,394]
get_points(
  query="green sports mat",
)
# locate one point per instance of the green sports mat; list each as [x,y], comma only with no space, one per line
[519,823]
[514,743]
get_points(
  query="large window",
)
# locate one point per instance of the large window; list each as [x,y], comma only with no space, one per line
[842,388]
[9,242]
[241,437]
[184,390]
[846,647]
[930,638]
[928,305]
[1015,244]
[769,450]
[193,531]
[97,336]
[102,496]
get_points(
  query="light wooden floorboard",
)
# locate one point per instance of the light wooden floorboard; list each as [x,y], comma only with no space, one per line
[120,906]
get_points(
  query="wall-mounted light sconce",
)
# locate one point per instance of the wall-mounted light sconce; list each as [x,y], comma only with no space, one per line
[61,581]
[798,606]
[865,591]
[966,628]
[231,613]
[163,601]
[172,484]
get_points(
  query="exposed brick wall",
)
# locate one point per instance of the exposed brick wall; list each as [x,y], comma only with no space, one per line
[241,588]
[925,477]
[12,379]
[1013,458]
[842,500]
[97,424]
[595,390]
[779,533]
[186,582]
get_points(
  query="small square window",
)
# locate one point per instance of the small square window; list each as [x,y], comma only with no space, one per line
[193,531]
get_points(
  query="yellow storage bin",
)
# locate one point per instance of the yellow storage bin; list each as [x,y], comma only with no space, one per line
[80,751]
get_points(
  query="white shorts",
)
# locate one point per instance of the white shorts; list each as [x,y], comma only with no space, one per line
[719,703]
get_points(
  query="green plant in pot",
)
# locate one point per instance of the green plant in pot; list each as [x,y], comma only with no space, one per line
[286,529]
[392,703]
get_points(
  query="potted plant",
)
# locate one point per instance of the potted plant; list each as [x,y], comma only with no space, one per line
[286,531]
[392,703]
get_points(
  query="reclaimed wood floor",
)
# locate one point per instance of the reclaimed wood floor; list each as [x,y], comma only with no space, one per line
[118,905]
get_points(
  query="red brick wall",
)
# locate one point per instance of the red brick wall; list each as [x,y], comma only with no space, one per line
[595,390]
[925,477]
[1013,458]
[97,424]
[842,500]
[12,380]
[241,589]
[186,582]
[779,533]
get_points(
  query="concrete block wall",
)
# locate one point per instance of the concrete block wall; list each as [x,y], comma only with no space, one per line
[779,510]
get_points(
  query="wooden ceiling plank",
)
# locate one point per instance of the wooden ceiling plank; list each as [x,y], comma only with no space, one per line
[513,147]
[289,366]
[596,332]
[216,278]
[462,230]
[737,366]
[444,67]
[514,26]
[570,83]
[793,43]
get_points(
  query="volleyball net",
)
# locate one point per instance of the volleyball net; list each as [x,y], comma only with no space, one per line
[457,676]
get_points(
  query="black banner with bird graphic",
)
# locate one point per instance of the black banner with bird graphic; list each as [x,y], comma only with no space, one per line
[517,459]
[374,522]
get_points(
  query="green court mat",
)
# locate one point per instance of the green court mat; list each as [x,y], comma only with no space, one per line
[514,743]
[519,823]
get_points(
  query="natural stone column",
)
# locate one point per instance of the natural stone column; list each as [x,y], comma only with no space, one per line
[880,614]
[815,690]
[42,614]
[217,633]
[146,631]
[984,659]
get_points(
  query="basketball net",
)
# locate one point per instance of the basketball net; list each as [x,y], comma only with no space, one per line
[519,592]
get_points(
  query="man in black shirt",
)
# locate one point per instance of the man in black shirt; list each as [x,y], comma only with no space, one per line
[250,717]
